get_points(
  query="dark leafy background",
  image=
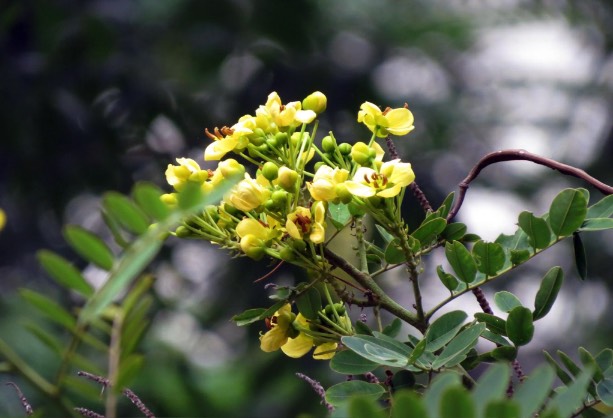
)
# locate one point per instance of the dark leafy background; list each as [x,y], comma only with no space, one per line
[99,94]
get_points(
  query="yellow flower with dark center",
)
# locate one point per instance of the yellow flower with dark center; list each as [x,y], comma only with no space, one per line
[388,182]
[227,139]
[388,122]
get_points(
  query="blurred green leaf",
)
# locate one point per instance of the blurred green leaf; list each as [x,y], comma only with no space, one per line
[377,350]
[446,205]
[49,340]
[570,365]
[492,385]
[502,408]
[580,256]
[604,388]
[408,404]
[506,301]
[489,256]
[567,212]
[64,273]
[456,402]
[443,329]
[461,261]
[588,360]
[448,280]
[548,292]
[534,390]
[394,253]
[520,327]
[89,246]
[387,237]
[597,224]
[560,372]
[519,256]
[339,215]
[249,316]
[125,212]
[349,362]
[432,396]
[567,400]
[454,231]
[147,197]
[458,347]
[364,407]
[604,359]
[309,303]
[393,328]
[49,307]
[504,353]
[601,209]
[429,231]
[537,230]
[342,392]
[492,322]
[129,367]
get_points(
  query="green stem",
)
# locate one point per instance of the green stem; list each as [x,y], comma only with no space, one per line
[367,282]
[359,235]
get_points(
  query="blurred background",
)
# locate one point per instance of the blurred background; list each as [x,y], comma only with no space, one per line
[99,94]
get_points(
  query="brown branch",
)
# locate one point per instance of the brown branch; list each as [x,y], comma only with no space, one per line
[522,155]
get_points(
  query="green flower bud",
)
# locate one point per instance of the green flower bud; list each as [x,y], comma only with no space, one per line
[271,142]
[355,209]
[258,137]
[287,179]
[328,144]
[281,138]
[287,254]
[279,197]
[360,153]
[345,148]
[298,137]
[375,201]
[270,171]
[316,102]
[213,212]
[183,232]
[319,164]
[298,245]
[231,210]
[271,205]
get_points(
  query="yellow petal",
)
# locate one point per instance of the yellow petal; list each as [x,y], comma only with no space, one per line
[391,192]
[297,347]
[325,351]
[400,121]
[273,339]
[359,189]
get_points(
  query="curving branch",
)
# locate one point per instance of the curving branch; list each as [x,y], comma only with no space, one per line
[521,155]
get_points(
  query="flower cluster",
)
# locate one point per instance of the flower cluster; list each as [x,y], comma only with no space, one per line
[281,204]
[295,335]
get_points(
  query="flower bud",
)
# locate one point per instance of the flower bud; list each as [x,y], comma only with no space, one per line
[287,254]
[343,193]
[253,247]
[298,245]
[231,168]
[360,153]
[328,144]
[345,148]
[281,138]
[279,197]
[318,164]
[270,171]
[169,199]
[316,102]
[287,179]
[182,232]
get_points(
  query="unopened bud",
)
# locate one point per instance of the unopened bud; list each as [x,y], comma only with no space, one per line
[287,179]
[345,148]
[270,171]
[316,102]
[328,144]
[360,153]
[231,168]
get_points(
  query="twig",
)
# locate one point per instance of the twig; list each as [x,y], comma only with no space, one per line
[24,402]
[521,155]
[88,413]
[127,392]
[318,388]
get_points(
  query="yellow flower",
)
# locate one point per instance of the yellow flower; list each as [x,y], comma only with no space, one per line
[383,123]
[298,222]
[282,116]
[325,182]
[388,182]
[255,236]
[248,194]
[227,139]
[187,170]
[318,230]
[280,329]
[2,219]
